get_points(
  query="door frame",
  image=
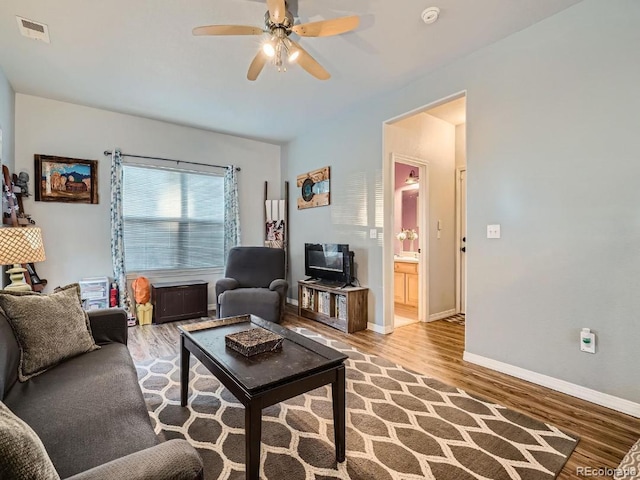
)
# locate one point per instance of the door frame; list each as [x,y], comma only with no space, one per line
[388,184]
[459,171]
[423,238]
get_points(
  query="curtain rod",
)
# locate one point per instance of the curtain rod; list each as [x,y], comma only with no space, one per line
[108,153]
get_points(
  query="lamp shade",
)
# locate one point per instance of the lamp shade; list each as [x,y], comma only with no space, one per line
[21,245]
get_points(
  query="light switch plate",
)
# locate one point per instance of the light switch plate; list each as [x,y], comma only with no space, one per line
[373,233]
[493,231]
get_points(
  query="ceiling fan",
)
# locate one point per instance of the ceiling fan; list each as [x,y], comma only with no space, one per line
[279,25]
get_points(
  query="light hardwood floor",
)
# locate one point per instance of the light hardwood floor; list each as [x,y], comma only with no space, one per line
[435,349]
[404,315]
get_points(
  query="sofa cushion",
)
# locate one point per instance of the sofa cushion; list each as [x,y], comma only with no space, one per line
[49,328]
[9,356]
[87,411]
[261,302]
[22,454]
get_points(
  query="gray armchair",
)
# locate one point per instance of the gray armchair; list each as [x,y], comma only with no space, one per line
[254,283]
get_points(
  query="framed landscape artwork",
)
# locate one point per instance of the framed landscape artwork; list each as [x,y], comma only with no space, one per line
[62,179]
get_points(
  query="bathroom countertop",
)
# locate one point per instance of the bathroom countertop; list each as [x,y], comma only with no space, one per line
[405,259]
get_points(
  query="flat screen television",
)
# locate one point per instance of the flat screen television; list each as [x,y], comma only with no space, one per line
[332,262]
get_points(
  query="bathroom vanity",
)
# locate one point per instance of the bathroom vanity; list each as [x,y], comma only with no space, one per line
[405,281]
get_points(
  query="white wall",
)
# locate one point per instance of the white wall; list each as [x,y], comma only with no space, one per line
[552,152]
[461,145]
[77,236]
[7,117]
[431,139]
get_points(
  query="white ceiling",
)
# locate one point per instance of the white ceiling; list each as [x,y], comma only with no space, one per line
[453,112]
[139,57]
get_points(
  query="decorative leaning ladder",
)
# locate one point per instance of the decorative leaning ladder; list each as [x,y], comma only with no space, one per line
[276,218]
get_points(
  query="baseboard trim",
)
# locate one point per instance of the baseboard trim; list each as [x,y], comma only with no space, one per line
[292,301]
[211,307]
[584,393]
[439,316]
[380,328]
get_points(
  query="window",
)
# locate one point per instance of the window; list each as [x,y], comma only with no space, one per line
[172,219]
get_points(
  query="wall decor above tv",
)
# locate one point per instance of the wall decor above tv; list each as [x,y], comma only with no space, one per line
[314,188]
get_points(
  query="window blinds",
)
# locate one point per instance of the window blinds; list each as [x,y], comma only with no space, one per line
[172,219]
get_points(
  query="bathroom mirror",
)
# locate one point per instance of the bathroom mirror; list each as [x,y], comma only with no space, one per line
[410,218]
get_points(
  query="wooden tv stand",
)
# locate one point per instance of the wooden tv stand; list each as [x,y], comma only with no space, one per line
[343,308]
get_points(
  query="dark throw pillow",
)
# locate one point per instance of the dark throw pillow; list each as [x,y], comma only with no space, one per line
[49,328]
[22,454]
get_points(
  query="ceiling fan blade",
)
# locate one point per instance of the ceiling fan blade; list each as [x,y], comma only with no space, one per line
[227,30]
[257,65]
[327,28]
[309,63]
[277,10]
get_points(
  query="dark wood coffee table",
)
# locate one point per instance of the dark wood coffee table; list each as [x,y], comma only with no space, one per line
[267,378]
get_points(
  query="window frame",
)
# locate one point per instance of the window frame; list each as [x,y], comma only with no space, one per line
[132,274]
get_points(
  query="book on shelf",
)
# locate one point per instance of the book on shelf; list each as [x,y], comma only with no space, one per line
[324,302]
[341,307]
[308,298]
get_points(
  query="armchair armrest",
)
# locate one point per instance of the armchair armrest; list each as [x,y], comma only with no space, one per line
[172,460]
[222,285]
[281,286]
[109,325]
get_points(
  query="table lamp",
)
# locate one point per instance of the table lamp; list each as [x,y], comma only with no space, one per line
[20,245]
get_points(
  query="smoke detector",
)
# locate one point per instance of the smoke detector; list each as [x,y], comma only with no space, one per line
[430,15]
[34,30]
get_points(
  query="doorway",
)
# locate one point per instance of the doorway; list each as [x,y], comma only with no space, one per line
[411,245]
[434,136]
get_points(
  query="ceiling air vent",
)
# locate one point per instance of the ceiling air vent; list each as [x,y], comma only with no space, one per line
[34,30]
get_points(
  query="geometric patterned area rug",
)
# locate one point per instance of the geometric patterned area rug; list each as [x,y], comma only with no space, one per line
[629,468]
[458,319]
[400,425]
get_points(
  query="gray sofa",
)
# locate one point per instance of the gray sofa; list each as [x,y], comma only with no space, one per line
[254,283]
[89,411]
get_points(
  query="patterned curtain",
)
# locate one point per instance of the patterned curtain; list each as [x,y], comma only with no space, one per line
[117,231]
[231,210]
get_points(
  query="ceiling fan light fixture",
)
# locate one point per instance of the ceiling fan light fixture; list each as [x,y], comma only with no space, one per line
[293,52]
[268,49]
[277,49]
[294,55]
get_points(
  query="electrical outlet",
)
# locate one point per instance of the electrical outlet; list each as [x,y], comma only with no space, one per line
[587,341]
[373,233]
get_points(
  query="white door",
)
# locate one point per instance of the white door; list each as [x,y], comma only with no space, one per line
[463,241]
